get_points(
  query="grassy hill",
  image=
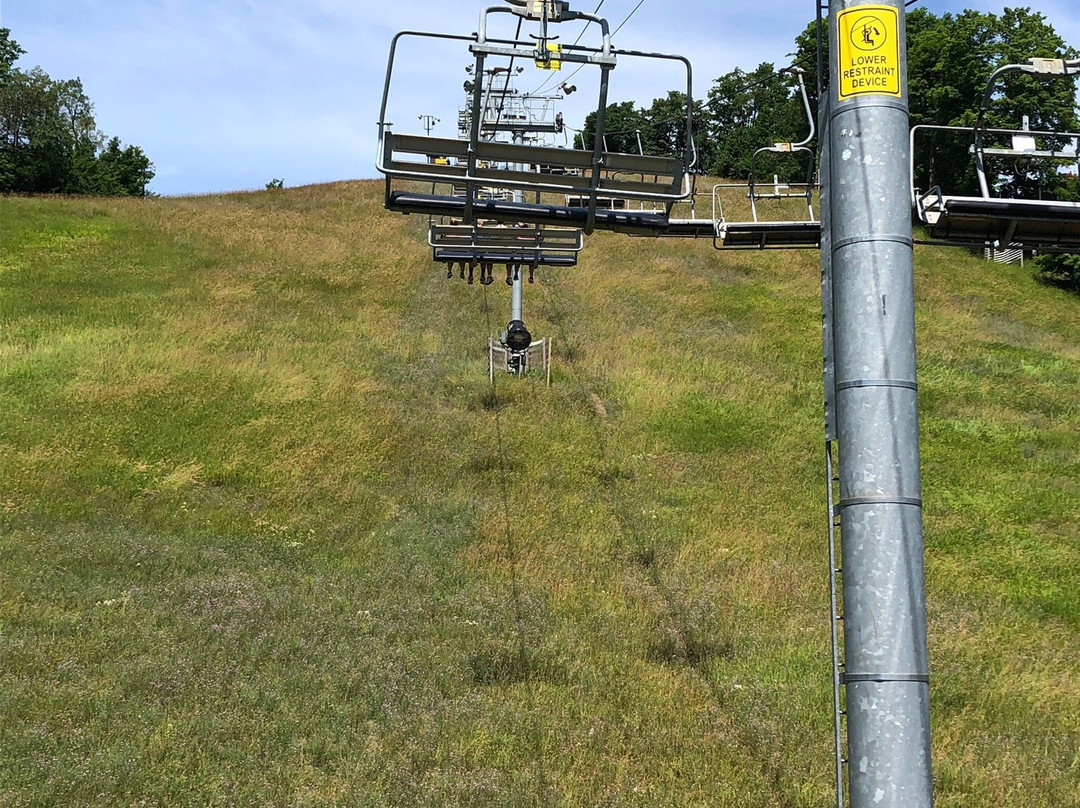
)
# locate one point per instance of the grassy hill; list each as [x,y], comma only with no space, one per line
[270,537]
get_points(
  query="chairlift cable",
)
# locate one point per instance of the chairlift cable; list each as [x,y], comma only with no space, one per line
[628,16]
[506,85]
[578,70]
[547,81]
[586,26]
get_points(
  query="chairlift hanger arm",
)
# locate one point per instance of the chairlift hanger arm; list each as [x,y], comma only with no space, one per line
[1042,68]
[482,37]
[798,72]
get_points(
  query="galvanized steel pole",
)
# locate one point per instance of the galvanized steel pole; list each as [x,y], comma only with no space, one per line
[515,295]
[872,264]
[517,282]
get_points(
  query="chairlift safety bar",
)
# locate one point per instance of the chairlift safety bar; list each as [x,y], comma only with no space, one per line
[1040,67]
[1048,155]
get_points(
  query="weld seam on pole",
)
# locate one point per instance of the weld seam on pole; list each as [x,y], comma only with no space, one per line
[857,383]
[852,501]
[848,678]
[845,106]
[905,241]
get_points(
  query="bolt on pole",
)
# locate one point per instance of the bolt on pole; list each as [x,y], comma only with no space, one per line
[870,249]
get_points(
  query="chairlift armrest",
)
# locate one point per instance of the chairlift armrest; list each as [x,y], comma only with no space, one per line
[937,200]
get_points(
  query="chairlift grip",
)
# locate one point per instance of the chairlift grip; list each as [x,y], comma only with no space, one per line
[573,15]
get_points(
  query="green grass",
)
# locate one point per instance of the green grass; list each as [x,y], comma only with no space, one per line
[270,539]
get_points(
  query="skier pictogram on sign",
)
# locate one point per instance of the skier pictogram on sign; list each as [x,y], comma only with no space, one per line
[870,34]
[869,63]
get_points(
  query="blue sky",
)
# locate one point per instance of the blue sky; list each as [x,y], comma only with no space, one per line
[229,94]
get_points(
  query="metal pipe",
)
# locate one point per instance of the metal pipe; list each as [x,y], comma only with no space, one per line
[829,354]
[598,148]
[871,251]
[605,31]
[798,72]
[515,296]
[1043,68]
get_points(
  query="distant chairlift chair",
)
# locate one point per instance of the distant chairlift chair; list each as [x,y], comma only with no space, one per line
[991,221]
[761,234]
[475,163]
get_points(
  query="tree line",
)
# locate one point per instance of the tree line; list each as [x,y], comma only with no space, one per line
[49,141]
[950,58]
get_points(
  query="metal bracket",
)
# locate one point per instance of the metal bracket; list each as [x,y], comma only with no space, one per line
[549,10]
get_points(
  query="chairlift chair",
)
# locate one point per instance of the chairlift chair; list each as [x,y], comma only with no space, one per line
[476,163]
[528,246]
[985,220]
[757,233]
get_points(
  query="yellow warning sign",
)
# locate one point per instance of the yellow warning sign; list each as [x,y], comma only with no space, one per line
[551,58]
[869,58]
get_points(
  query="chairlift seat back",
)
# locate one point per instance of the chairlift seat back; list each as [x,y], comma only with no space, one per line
[631,176]
[620,221]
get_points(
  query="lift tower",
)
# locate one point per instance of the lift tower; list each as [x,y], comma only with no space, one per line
[868,262]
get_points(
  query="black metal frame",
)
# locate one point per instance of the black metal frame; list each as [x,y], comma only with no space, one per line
[987,221]
[475,164]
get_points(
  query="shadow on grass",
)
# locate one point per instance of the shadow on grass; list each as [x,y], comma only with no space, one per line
[506,664]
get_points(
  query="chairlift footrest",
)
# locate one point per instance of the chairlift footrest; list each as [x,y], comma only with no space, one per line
[769,235]
[620,221]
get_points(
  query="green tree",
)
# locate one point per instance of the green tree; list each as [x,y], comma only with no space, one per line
[35,147]
[1060,270]
[1057,269]
[748,111]
[664,132]
[950,59]
[9,53]
[49,141]
[122,172]
[622,124]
